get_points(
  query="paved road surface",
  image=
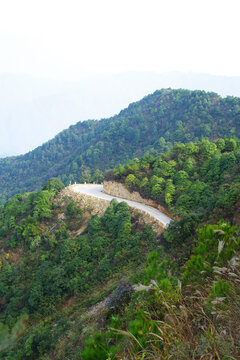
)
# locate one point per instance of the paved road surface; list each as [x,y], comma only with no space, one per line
[96,191]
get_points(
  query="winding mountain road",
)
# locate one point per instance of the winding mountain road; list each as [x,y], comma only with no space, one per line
[97,191]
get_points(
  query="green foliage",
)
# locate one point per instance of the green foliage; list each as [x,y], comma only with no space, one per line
[53,185]
[199,178]
[151,125]
[230,144]
[73,209]
[38,343]
[188,165]
[97,347]
[158,269]
[220,289]
[181,317]
[42,205]
[180,231]
[21,217]
[56,266]
[130,181]
[181,180]
[191,293]
[169,192]
[216,246]
[156,191]
[208,149]
[7,338]
[48,286]
[98,176]
[220,144]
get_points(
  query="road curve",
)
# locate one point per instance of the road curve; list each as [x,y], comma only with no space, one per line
[96,191]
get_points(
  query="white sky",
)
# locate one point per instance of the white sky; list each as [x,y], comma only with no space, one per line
[73,38]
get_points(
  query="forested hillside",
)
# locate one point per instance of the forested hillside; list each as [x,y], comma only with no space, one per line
[179,297]
[187,298]
[151,125]
[50,273]
[197,182]
[200,176]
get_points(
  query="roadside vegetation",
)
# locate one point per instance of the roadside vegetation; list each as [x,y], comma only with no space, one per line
[151,125]
[44,268]
[117,291]
[82,287]
[186,313]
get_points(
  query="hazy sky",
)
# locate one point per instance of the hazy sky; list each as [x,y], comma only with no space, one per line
[73,38]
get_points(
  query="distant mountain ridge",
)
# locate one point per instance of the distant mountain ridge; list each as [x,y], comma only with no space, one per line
[34,110]
[150,125]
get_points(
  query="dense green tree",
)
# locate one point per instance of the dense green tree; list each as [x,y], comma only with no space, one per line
[98,176]
[181,180]
[45,264]
[151,126]
[130,181]
[156,191]
[230,144]
[208,149]
[188,165]
[54,185]
[169,192]
[220,144]
[86,176]
[202,176]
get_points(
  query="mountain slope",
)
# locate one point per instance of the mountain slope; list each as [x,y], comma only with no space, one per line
[56,257]
[200,177]
[61,277]
[152,124]
[33,110]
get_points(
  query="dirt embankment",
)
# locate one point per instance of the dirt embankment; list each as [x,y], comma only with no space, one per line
[93,205]
[118,189]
